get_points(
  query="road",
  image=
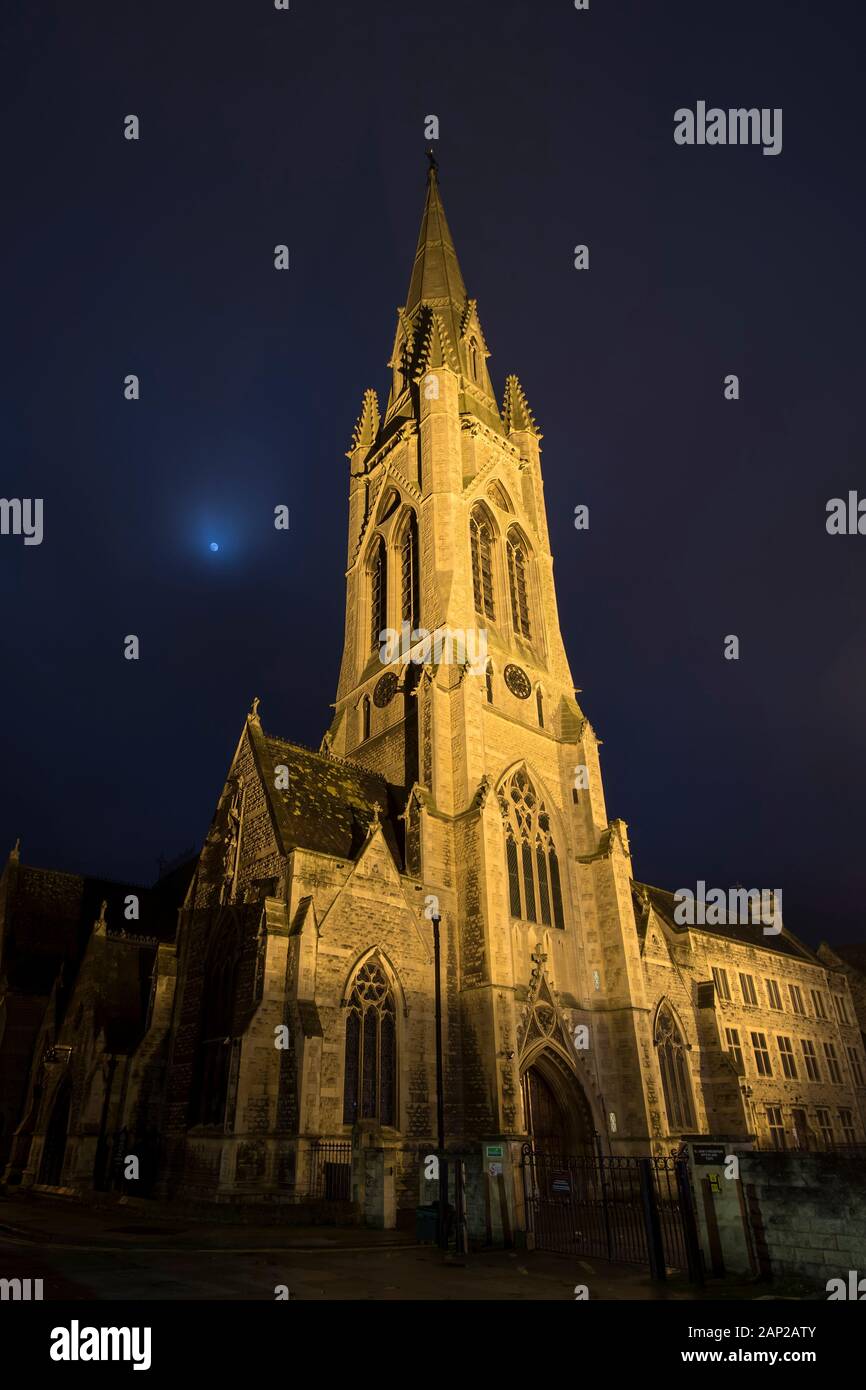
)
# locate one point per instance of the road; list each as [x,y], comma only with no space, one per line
[133,1253]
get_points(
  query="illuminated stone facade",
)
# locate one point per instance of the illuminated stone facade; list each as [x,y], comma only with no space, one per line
[459,776]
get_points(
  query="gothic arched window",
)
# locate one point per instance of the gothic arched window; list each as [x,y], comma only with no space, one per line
[378,592]
[488,682]
[409,573]
[517,553]
[473,358]
[481,540]
[365,717]
[674,1067]
[370,1083]
[534,886]
[539,706]
[211,1071]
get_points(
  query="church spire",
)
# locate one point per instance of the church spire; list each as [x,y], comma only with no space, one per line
[436,276]
[438,324]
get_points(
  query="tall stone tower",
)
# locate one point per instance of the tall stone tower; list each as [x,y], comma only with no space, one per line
[287,1052]
[505,821]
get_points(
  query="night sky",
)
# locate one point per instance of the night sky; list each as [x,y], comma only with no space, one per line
[707,517]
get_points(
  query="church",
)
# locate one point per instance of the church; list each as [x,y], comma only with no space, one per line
[266,1031]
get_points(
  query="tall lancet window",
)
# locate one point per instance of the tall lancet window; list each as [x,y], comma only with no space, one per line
[370,1082]
[534,886]
[481,540]
[488,682]
[674,1067]
[378,592]
[409,573]
[518,582]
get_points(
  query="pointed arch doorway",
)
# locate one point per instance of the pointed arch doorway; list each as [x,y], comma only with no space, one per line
[556,1112]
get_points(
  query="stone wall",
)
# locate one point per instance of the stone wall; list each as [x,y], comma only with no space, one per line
[806,1213]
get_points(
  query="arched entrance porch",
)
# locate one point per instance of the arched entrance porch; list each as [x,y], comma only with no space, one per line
[556,1111]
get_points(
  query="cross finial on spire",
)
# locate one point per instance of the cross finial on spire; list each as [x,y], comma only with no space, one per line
[433,165]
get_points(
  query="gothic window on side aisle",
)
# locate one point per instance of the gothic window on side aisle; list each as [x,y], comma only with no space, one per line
[674,1067]
[534,886]
[370,1083]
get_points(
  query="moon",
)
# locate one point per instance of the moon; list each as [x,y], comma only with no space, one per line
[214,545]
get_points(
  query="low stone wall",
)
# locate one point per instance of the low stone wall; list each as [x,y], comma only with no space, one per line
[806,1213]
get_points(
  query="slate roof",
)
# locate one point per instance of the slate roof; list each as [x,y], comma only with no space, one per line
[329,804]
[664,904]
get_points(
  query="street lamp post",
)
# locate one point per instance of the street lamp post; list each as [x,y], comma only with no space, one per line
[442,1221]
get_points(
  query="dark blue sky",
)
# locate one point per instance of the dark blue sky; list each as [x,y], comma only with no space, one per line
[707,517]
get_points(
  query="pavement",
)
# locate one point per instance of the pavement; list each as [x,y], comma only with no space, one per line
[142,1251]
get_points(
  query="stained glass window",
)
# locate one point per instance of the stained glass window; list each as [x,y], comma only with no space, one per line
[674,1067]
[370,1082]
[534,887]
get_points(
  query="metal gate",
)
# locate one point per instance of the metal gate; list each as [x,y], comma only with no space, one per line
[619,1208]
[331,1170]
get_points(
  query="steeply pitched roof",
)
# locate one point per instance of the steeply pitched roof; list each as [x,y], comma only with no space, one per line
[329,805]
[664,903]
